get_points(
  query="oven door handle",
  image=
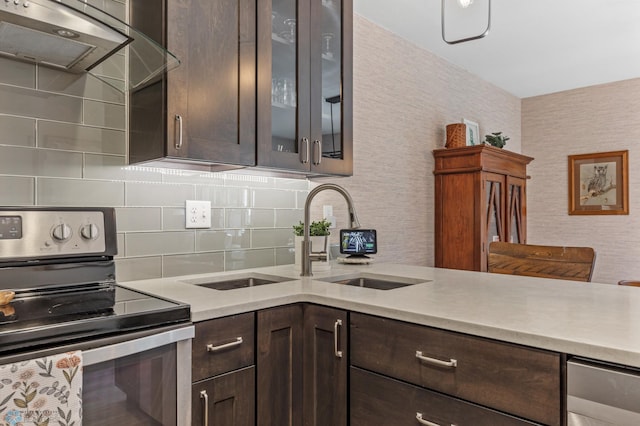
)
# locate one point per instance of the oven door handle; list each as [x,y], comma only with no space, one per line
[130,347]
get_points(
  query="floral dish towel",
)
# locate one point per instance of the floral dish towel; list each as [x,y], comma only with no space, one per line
[42,392]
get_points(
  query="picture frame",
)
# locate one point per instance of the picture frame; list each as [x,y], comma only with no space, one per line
[599,183]
[473,132]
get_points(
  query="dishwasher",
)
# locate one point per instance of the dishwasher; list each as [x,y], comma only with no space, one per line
[601,394]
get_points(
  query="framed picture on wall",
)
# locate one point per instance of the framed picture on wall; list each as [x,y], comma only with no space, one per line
[473,132]
[599,183]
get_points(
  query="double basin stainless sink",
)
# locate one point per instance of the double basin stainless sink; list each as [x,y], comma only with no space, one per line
[358,279]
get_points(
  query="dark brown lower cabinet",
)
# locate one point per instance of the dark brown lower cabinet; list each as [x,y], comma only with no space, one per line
[279,366]
[379,400]
[325,366]
[302,366]
[227,399]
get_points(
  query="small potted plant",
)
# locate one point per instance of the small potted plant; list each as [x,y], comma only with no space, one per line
[496,139]
[319,234]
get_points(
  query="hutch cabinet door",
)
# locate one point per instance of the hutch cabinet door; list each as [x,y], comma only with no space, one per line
[516,226]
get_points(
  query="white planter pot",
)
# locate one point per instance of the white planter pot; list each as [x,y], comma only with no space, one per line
[317,245]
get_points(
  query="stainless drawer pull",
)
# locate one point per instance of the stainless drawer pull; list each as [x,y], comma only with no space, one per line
[451,363]
[205,416]
[422,421]
[336,338]
[179,130]
[237,342]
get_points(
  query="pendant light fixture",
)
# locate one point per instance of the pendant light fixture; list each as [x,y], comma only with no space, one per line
[465,4]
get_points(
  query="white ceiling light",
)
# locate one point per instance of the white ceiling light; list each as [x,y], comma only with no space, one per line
[464,4]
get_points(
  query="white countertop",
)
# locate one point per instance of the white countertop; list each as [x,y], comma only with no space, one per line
[598,321]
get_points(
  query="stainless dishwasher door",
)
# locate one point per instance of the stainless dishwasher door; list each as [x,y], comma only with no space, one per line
[602,395]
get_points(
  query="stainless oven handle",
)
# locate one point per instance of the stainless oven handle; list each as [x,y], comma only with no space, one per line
[130,347]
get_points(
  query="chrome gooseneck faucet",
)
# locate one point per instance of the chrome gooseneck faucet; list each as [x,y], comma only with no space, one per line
[307,256]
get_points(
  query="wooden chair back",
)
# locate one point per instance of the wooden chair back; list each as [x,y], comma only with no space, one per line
[629,283]
[565,263]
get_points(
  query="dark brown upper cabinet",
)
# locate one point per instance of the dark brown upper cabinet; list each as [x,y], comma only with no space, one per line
[305,94]
[204,111]
[261,83]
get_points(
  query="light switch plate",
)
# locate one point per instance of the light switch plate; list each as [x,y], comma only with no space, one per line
[198,214]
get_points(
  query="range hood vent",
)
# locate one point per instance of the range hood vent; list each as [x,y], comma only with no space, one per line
[74,36]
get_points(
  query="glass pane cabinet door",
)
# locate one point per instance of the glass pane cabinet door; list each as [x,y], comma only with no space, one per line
[284,81]
[516,200]
[331,99]
[494,214]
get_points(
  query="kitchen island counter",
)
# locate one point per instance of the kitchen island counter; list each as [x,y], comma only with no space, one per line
[597,321]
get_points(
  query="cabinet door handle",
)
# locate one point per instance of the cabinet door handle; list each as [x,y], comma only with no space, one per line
[336,338]
[179,131]
[304,150]
[422,421]
[317,152]
[205,416]
[237,342]
[451,363]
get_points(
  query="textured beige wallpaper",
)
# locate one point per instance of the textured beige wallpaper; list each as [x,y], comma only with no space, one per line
[594,119]
[403,98]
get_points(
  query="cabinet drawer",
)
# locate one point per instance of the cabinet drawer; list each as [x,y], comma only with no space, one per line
[379,400]
[223,345]
[230,399]
[518,380]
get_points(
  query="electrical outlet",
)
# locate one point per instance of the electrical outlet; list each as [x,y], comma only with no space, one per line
[198,214]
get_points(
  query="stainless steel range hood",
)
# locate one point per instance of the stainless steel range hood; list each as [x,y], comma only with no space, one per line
[74,36]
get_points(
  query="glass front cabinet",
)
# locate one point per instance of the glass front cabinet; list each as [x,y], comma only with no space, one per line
[305,86]
[480,197]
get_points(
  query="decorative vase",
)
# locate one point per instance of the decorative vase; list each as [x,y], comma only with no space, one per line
[318,244]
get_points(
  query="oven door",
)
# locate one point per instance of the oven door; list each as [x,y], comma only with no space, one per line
[145,381]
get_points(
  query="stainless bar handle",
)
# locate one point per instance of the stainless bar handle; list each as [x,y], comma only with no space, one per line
[422,421]
[304,150]
[205,417]
[317,152]
[179,130]
[336,338]
[451,363]
[237,342]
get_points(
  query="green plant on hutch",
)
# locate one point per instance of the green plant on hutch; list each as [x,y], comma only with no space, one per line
[496,139]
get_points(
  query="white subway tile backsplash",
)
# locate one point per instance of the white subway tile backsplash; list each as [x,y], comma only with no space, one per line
[137,219]
[17,131]
[104,114]
[138,268]
[17,191]
[17,73]
[36,104]
[84,85]
[75,137]
[77,192]
[262,238]
[229,239]
[243,259]
[158,243]
[188,264]
[273,198]
[27,161]
[156,194]
[250,218]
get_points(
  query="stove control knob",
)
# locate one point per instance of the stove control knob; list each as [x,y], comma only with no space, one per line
[61,232]
[89,232]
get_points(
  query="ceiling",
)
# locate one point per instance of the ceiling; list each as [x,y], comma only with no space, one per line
[534,47]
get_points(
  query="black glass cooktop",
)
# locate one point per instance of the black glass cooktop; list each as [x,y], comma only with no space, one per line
[122,311]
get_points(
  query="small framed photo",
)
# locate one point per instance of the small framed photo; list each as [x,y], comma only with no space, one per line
[599,183]
[473,132]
